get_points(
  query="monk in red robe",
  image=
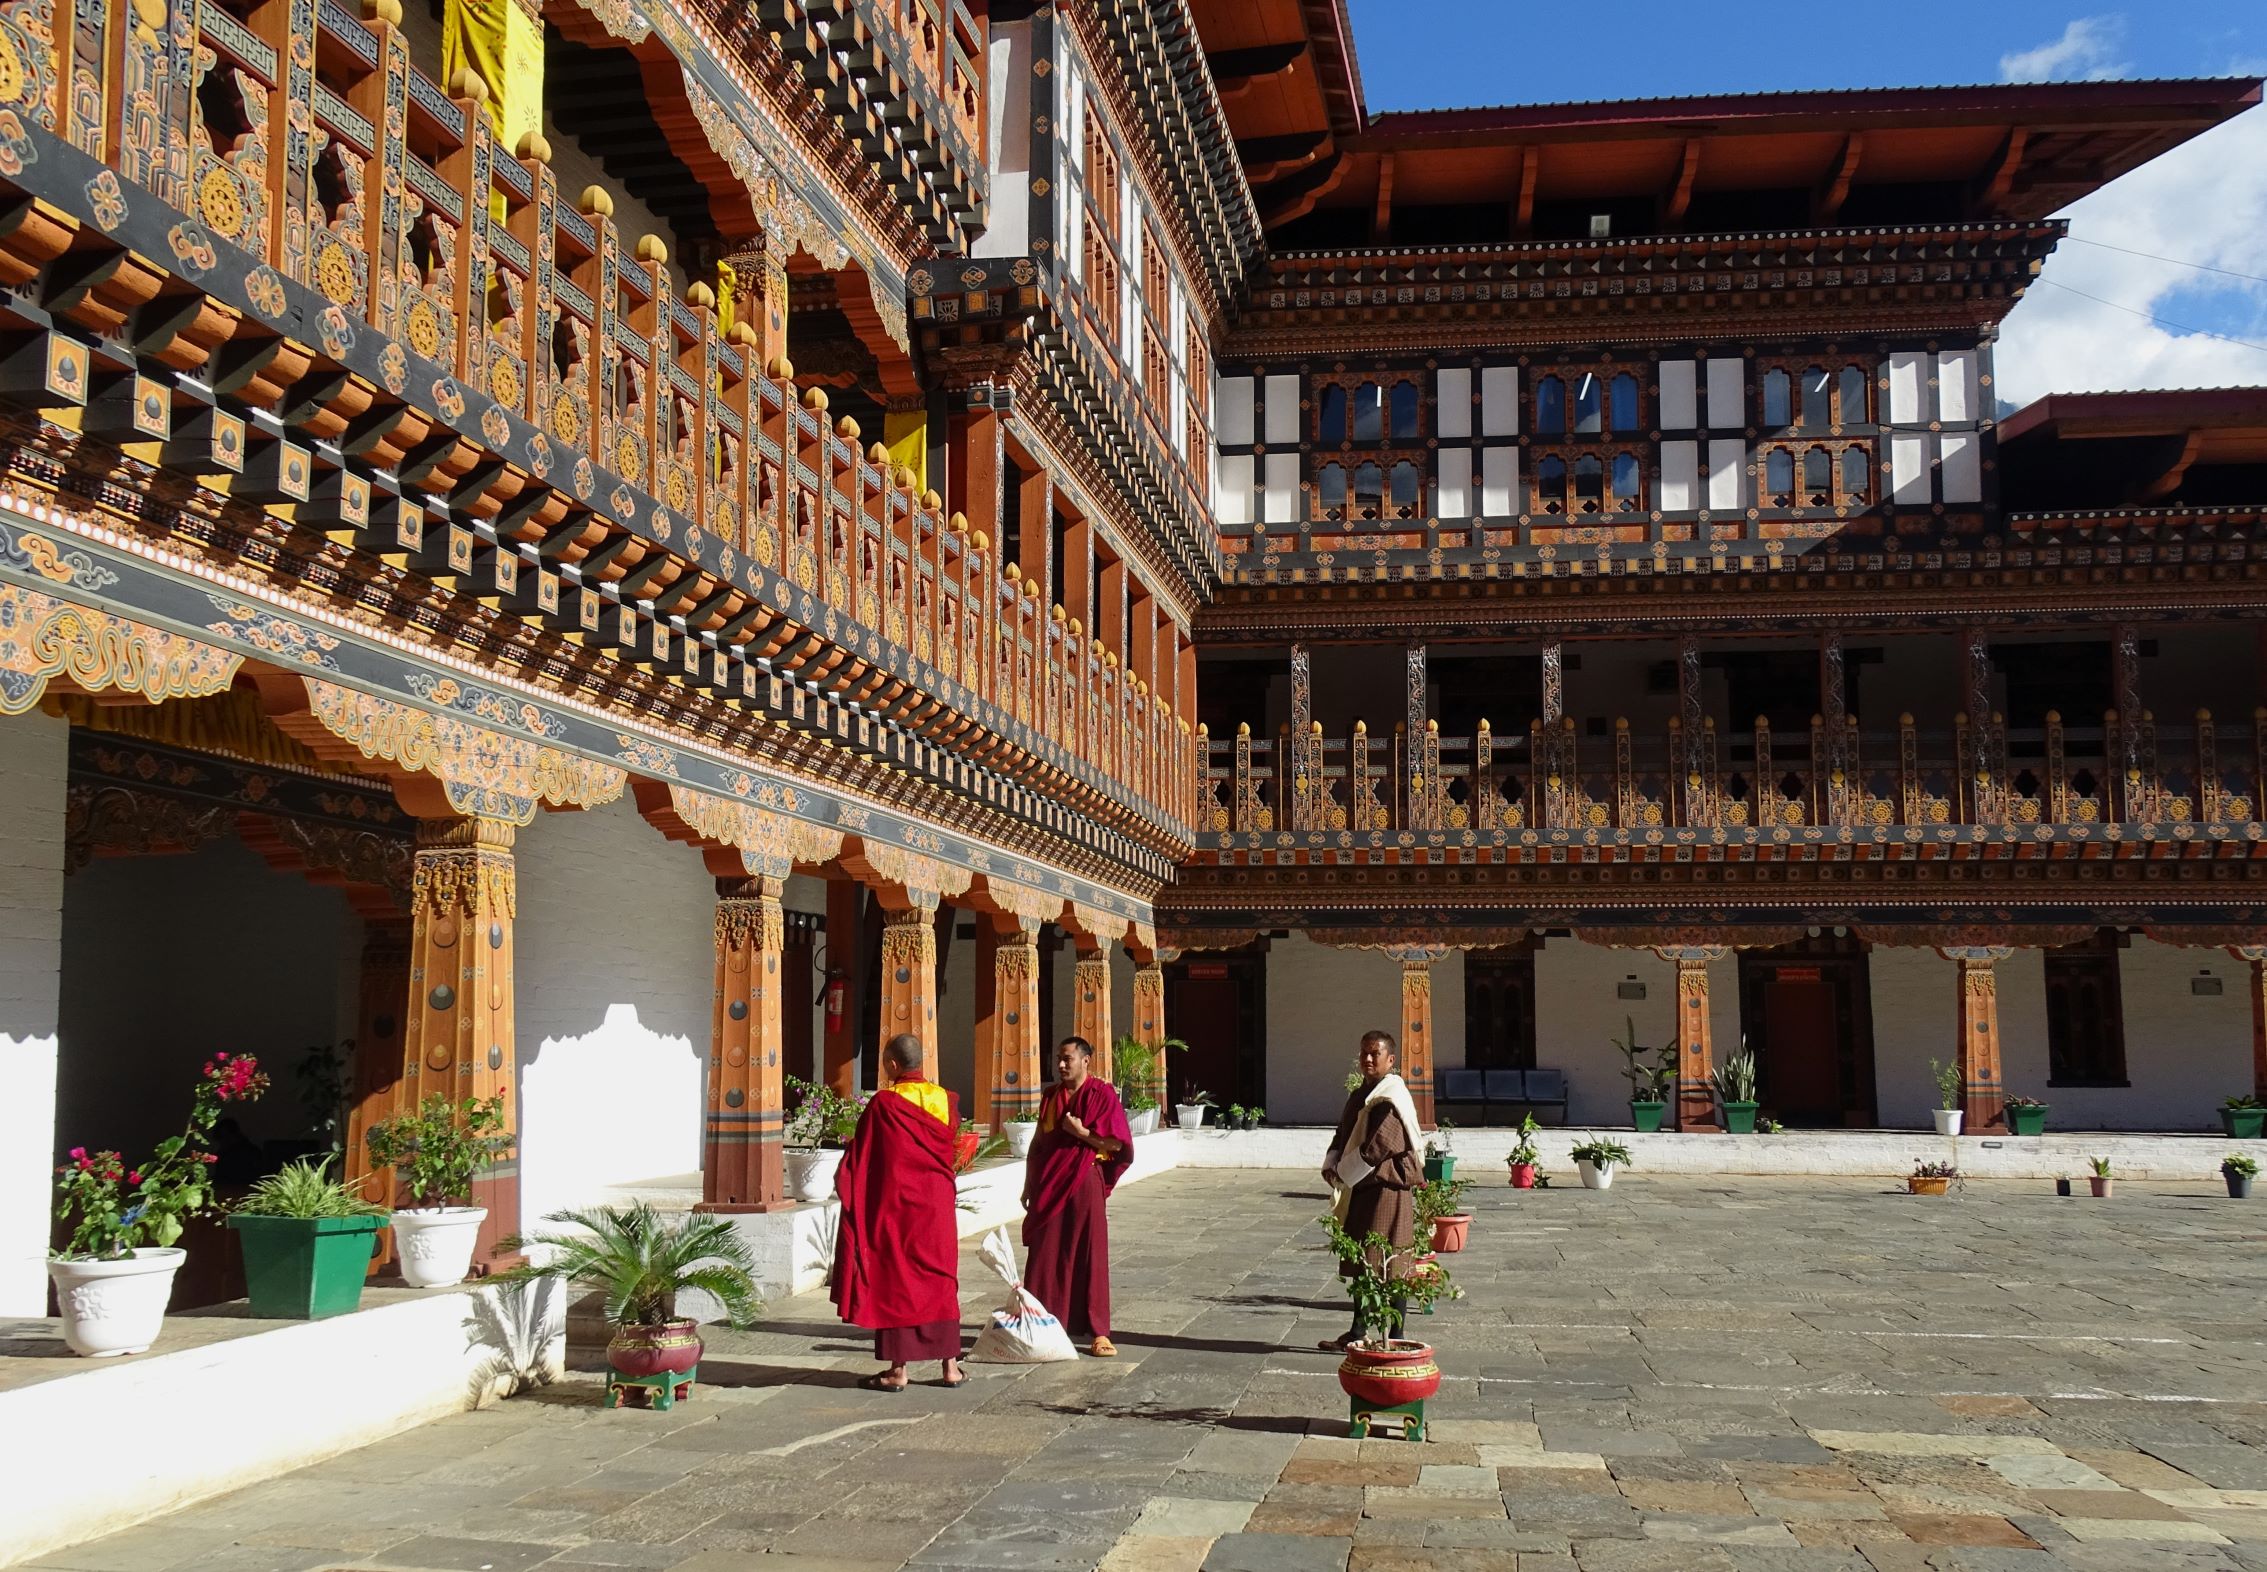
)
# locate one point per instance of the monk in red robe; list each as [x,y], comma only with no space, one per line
[897,1250]
[1083,1147]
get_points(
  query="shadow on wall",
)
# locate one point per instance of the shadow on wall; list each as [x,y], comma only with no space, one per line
[620,1103]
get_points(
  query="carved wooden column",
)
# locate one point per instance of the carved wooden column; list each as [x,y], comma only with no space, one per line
[1691,711]
[742,1167]
[379,1058]
[1696,1039]
[1982,1096]
[909,970]
[458,1039]
[2255,956]
[1149,1016]
[1090,1002]
[1010,1069]
[1417,1022]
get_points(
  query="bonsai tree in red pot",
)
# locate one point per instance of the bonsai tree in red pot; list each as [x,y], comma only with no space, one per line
[1380,1370]
[1523,1158]
[1441,1217]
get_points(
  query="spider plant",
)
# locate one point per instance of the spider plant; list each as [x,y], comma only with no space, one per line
[306,1189]
[641,1261]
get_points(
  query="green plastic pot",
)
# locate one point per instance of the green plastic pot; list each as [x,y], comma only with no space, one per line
[1739,1118]
[2027,1120]
[305,1268]
[2243,1124]
[1646,1115]
[1441,1165]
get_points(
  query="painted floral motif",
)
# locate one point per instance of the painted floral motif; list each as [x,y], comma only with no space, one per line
[642,753]
[263,286]
[106,199]
[393,365]
[769,843]
[487,704]
[17,153]
[448,398]
[337,332]
[24,549]
[585,478]
[539,456]
[496,427]
[42,637]
[273,635]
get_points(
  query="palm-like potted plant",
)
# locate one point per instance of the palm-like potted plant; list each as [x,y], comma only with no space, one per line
[2102,1180]
[2026,1116]
[2243,1118]
[436,1149]
[1523,1155]
[1441,1217]
[1138,1071]
[1597,1159]
[1735,1093]
[307,1239]
[1021,1129]
[1380,1369]
[1189,1111]
[1931,1178]
[641,1262]
[1648,1081]
[817,1133]
[2238,1170]
[1948,1112]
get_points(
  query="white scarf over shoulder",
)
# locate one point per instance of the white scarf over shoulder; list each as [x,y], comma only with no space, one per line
[1390,1091]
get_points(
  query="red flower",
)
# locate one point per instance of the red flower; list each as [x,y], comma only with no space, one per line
[135,1177]
[78,1151]
[207,1157]
[223,1058]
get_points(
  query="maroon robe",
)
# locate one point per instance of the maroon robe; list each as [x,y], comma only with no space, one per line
[1066,1225]
[897,1249]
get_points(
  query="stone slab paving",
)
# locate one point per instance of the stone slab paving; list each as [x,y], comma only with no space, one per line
[1694,1375]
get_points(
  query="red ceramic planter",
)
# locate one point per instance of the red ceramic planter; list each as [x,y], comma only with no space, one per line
[1523,1176]
[1403,1373]
[1449,1232]
[674,1347]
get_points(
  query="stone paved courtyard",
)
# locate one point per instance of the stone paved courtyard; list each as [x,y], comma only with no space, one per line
[1678,1374]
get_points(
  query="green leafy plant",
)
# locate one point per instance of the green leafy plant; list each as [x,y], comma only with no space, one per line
[1647,1081]
[1735,1081]
[306,1189]
[1254,1118]
[2100,1165]
[1028,1117]
[823,1117]
[2245,1101]
[2238,1164]
[1935,1171]
[324,1079]
[1236,1116]
[1947,1084]
[1769,1127]
[112,1208]
[2022,1102]
[1523,1154]
[1436,1199]
[641,1261]
[438,1148]
[1196,1097]
[1599,1153]
[1353,1080]
[1442,1140]
[1383,1275]
[1137,1070]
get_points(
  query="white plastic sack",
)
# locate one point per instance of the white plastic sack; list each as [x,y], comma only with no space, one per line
[1022,1332]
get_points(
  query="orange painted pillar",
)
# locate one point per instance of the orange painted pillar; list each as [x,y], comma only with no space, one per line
[742,1161]
[1090,1003]
[378,1059]
[1696,1039]
[909,976]
[1416,1056]
[1982,1095]
[1009,1065]
[1149,1019]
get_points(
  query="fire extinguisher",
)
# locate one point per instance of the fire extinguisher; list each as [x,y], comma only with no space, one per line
[838,992]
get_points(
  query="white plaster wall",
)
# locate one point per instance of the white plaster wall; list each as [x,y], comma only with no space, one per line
[170,959]
[955,1048]
[33,760]
[614,979]
[1916,1016]
[1320,1001]
[1578,1014]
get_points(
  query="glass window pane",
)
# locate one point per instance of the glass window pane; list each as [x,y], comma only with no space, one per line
[1779,473]
[1589,413]
[1331,428]
[1330,486]
[1404,484]
[1404,409]
[1625,402]
[1857,474]
[1778,399]
[1625,479]
[1815,411]
[1818,477]
[1550,485]
[1369,487]
[1550,406]
[1853,396]
[1369,413]
[1589,483]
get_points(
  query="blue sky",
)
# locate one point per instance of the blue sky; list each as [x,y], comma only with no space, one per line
[2206,202]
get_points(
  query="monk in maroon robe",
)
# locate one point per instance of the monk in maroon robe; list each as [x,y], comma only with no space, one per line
[897,1249]
[1083,1147]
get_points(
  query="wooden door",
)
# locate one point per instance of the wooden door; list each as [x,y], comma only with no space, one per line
[1217,1004]
[1806,1014]
[1499,1010]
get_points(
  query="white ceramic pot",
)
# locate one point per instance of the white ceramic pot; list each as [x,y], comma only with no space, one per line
[810,1171]
[1948,1120]
[1596,1176]
[434,1244]
[115,1307]
[1190,1115]
[1021,1133]
[1145,1122]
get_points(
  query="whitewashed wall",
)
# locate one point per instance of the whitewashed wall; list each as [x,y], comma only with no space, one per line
[1579,1013]
[1320,1001]
[33,753]
[614,980]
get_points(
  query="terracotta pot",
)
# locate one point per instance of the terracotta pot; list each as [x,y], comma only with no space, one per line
[1449,1232]
[673,1346]
[1523,1176]
[2102,1186]
[1400,1373]
[1921,1186]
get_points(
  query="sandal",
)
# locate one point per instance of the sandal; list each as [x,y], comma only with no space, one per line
[878,1382]
[959,1380]
[1336,1345]
[1102,1348]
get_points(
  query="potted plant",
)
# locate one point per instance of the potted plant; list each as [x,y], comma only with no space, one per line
[1440,1214]
[1931,1178]
[1596,1159]
[307,1240]
[1948,1113]
[114,1277]
[1647,1082]
[1234,1118]
[1021,1130]
[1440,1151]
[2101,1181]
[641,1262]
[1138,1071]
[2243,1117]
[821,1126]
[1379,1368]
[1735,1093]
[2238,1170]
[2026,1116]
[1254,1117]
[1189,1111]
[1522,1158]
[436,1150]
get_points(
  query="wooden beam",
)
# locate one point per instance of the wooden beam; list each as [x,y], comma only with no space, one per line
[1992,187]
[1381,219]
[1826,201]
[1237,71]
[1523,207]
[2174,473]
[1680,198]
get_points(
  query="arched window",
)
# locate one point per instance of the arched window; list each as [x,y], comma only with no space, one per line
[1330,425]
[1624,402]
[1330,486]
[1779,477]
[1778,399]
[1857,476]
[1369,413]
[1625,481]
[1817,411]
[1369,490]
[1818,478]
[1550,485]
[1404,410]
[1589,484]
[1405,482]
[1589,402]
[1854,380]
[1550,407]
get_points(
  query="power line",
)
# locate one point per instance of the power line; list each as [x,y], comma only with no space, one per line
[2151,256]
[2151,316]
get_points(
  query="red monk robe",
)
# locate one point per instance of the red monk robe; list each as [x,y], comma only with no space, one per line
[1066,1228]
[897,1250]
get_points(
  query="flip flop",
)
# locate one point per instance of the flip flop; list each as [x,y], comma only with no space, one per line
[1102,1348]
[963,1381]
[875,1383]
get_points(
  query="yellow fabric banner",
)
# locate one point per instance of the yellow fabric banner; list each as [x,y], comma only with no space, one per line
[928,1096]
[906,436]
[502,44]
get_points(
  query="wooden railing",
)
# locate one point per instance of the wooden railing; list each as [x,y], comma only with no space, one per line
[417,227]
[1749,780]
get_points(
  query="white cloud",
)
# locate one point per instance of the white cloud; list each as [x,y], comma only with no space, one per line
[2086,52]
[2205,201]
